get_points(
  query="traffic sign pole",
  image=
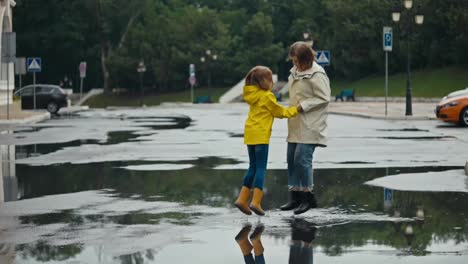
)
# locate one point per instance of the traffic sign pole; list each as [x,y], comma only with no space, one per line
[192,80]
[386,83]
[8,91]
[82,69]
[34,90]
[34,65]
[81,88]
[387,47]
[191,93]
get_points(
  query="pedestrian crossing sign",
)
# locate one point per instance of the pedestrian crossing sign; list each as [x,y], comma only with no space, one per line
[323,57]
[34,64]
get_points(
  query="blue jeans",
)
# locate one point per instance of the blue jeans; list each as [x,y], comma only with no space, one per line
[249,259]
[300,171]
[299,254]
[258,157]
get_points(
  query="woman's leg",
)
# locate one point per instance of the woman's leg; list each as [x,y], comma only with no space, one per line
[250,174]
[294,182]
[303,167]
[303,164]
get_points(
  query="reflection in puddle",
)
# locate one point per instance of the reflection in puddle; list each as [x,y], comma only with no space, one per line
[144,207]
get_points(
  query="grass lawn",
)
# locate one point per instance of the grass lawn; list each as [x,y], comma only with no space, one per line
[102,100]
[425,83]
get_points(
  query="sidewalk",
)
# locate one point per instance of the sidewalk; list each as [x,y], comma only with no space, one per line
[22,117]
[376,110]
[18,116]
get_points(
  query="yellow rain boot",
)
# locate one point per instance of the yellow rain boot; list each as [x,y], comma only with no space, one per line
[256,240]
[243,240]
[242,201]
[255,204]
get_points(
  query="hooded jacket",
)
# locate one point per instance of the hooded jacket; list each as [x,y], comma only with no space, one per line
[263,109]
[311,89]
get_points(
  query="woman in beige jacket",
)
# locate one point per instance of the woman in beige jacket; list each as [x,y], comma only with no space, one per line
[309,87]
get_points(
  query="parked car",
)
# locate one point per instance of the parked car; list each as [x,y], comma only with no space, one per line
[454,108]
[50,97]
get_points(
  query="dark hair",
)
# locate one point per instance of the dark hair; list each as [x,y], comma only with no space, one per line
[260,76]
[304,54]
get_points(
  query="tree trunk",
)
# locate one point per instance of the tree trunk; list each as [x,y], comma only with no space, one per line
[105,72]
[104,49]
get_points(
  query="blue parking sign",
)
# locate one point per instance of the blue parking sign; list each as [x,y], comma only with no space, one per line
[387,39]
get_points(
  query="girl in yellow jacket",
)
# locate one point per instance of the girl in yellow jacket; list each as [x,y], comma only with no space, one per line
[257,132]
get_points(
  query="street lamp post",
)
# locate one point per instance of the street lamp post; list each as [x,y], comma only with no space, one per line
[209,57]
[418,19]
[141,69]
[308,38]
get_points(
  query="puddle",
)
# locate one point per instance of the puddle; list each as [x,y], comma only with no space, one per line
[404,130]
[422,138]
[158,123]
[192,208]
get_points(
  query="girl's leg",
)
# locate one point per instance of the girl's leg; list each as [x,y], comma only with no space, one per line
[242,202]
[261,159]
[250,174]
[260,259]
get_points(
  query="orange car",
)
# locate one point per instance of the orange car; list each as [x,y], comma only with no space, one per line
[454,108]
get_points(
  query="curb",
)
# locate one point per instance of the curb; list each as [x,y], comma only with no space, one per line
[73,109]
[382,117]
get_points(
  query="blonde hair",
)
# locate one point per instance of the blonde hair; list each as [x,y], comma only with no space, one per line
[260,76]
[304,54]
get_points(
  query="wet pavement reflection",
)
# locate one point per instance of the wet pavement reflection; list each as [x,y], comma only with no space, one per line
[435,218]
[105,213]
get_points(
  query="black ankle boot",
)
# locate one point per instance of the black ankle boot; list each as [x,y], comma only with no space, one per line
[308,202]
[294,201]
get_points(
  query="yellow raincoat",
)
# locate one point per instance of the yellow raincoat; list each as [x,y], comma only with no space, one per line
[263,109]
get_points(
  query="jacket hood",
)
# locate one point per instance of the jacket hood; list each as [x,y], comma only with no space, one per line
[252,94]
[307,74]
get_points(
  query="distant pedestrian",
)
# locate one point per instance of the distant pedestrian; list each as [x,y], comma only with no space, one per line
[309,87]
[263,109]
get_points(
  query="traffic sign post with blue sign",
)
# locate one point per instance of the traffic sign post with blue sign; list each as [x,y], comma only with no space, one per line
[323,57]
[387,47]
[388,198]
[192,80]
[34,65]
[387,39]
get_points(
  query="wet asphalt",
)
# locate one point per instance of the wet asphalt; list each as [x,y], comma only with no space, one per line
[157,186]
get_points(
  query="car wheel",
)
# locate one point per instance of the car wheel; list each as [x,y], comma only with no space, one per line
[464,117]
[52,107]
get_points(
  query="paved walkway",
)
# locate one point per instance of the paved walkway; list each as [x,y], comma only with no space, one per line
[18,116]
[376,110]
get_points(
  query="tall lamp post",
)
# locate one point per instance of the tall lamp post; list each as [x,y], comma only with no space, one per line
[209,56]
[308,38]
[419,20]
[141,69]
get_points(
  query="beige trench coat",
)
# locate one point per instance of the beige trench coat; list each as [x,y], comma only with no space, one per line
[311,89]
